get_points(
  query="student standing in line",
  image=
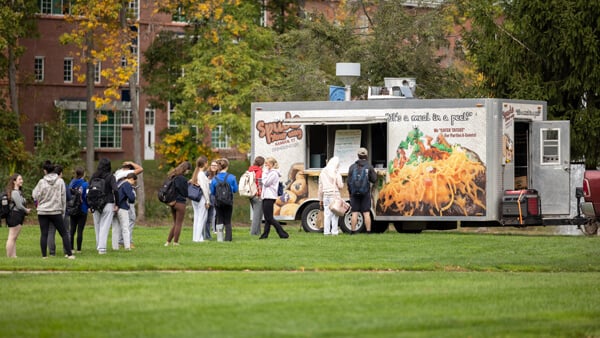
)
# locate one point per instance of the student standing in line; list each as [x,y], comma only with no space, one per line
[120,223]
[330,183]
[256,201]
[361,203]
[50,194]
[211,172]
[103,218]
[200,207]
[78,219]
[178,209]
[224,212]
[270,181]
[17,213]
[58,169]
[127,168]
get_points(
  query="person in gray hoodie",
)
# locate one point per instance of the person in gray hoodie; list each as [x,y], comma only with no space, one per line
[51,201]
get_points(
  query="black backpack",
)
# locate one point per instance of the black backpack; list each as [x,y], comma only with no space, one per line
[74,204]
[167,193]
[4,206]
[96,196]
[223,193]
[359,181]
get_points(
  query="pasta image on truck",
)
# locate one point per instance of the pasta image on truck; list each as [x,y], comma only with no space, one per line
[441,163]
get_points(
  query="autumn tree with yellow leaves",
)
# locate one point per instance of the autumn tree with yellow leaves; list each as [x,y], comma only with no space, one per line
[231,64]
[103,33]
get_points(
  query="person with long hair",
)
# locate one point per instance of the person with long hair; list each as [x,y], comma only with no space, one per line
[211,172]
[178,209]
[17,213]
[78,219]
[200,207]
[103,218]
[51,197]
[224,212]
[270,181]
[330,183]
[256,201]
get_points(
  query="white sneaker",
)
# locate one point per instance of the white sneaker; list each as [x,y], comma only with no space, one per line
[71,257]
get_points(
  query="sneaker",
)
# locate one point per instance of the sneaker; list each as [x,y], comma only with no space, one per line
[101,252]
[175,244]
[71,257]
[167,244]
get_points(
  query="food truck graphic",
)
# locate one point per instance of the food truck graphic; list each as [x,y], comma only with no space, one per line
[440,163]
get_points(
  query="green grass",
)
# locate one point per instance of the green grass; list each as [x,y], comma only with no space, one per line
[433,284]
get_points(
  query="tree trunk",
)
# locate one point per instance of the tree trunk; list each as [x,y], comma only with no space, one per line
[89,80]
[12,81]
[137,147]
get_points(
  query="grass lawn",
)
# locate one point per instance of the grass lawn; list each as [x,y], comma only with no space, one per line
[440,284]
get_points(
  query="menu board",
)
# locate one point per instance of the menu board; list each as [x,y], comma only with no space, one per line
[347,142]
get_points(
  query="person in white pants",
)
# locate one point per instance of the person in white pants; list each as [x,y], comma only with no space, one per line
[330,183]
[200,207]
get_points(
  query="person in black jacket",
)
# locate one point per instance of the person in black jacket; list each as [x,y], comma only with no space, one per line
[103,218]
[361,203]
[178,209]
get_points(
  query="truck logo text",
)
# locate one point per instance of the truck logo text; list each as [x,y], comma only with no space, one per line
[278,131]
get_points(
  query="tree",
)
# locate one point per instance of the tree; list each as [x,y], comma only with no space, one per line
[102,33]
[16,21]
[285,14]
[231,65]
[545,50]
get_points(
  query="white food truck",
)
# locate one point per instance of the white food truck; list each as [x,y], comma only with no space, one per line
[441,163]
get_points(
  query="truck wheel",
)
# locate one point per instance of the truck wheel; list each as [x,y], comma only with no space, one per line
[590,228]
[346,225]
[400,228]
[379,227]
[309,218]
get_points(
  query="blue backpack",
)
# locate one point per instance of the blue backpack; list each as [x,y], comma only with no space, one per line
[359,181]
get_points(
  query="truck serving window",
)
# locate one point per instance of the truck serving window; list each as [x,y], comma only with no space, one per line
[550,146]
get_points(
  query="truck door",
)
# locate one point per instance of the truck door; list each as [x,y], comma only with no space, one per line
[550,151]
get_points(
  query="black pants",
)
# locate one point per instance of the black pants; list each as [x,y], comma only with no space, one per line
[77,225]
[267,205]
[224,213]
[58,222]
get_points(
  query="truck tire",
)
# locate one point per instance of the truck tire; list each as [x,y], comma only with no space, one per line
[590,228]
[379,227]
[345,223]
[309,218]
[400,228]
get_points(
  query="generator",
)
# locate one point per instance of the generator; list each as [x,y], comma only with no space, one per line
[521,206]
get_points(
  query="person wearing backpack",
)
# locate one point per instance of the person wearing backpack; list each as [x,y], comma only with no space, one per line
[127,168]
[101,197]
[50,195]
[178,208]
[120,223]
[330,183]
[360,177]
[223,186]
[256,200]
[200,207]
[270,182]
[211,172]
[15,219]
[78,214]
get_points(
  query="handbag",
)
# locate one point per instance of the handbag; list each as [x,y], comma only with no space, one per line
[194,192]
[339,207]
[320,221]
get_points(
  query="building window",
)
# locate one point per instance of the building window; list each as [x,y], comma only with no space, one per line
[107,134]
[38,134]
[219,139]
[68,70]
[170,111]
[97,71]
[127,117]
[134,9]
[38,68]
[149,121]
[55,7]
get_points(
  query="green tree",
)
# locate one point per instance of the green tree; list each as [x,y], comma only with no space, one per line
[13,156]
[16,22]
[285,14]
[546,50]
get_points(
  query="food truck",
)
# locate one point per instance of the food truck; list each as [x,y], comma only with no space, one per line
[441,163]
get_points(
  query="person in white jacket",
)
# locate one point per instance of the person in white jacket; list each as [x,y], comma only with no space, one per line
[270,182]
[200,207]
[330,183]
